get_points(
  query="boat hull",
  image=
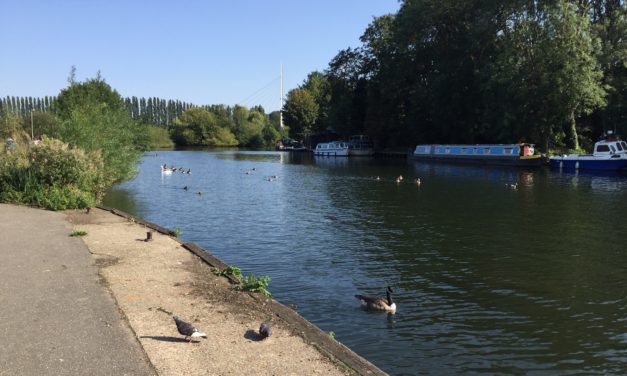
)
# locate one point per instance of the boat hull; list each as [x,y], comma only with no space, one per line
[332,153]
[531,161]
[574,162]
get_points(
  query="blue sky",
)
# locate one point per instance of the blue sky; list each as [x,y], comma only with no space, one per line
[204,52]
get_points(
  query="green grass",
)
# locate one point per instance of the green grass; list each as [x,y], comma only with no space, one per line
[78,233]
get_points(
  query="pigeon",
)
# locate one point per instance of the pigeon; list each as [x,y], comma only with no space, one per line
[265,330]
[187,329]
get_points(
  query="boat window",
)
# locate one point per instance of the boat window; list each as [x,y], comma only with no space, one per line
[448,150]
[618,146]
[602,148]
[509,151]
[624,145]
[613,149]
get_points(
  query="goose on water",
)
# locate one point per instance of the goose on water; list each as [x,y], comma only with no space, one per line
[378,302]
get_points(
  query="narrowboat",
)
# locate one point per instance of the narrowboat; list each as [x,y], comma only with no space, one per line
[360,145]
[609,154]
[522,154]
[332,149]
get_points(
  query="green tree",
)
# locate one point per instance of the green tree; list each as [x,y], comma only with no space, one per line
[93,92]
[197,126]
[547,71]
[300,113]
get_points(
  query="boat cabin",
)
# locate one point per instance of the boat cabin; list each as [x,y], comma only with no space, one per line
[609,146]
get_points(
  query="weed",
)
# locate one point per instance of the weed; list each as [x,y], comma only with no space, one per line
[331,334]
[230,270]
[256,284]
[177,232]
[78,233]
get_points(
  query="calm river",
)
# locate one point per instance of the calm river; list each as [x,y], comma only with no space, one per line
[487,279]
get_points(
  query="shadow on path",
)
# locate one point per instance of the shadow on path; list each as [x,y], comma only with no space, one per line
[168,339]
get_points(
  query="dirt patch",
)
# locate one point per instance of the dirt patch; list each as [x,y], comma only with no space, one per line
[151,281]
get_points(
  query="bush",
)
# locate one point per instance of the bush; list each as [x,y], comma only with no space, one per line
[52,176]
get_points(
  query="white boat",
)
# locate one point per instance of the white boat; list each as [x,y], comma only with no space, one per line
[609,153]
[360,145]
[332,149]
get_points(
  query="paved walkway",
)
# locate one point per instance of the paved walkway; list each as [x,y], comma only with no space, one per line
[56,317]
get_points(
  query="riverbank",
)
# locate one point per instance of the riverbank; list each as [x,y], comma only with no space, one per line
[153,280]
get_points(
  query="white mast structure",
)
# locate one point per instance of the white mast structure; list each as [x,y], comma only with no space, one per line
[281,108]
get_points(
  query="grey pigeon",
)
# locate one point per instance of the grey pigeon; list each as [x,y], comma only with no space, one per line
[187,329]
[265,330]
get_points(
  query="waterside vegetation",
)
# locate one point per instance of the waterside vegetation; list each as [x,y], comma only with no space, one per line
[552,73]
[66,151]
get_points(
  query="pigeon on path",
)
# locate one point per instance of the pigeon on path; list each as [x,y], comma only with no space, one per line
[187,329]
[265,330]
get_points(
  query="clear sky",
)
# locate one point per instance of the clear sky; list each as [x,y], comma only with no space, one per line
[203,52]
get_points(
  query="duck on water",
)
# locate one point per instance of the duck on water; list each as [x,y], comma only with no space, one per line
[379,303]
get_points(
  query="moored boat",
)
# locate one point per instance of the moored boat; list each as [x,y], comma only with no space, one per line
[522,154]
[360,145]
[609,154]
[332,149]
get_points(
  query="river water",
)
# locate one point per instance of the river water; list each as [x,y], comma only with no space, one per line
[487,279]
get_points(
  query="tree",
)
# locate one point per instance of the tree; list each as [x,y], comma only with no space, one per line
[197,126]
[94,92]
[300,113]
[547,72]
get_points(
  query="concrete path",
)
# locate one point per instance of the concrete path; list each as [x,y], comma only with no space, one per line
[56,316]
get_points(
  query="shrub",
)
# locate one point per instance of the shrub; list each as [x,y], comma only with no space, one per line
[52,176]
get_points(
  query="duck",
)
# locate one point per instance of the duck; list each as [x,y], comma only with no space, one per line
[417,181]
[398,179]
[377,178]
[379,303]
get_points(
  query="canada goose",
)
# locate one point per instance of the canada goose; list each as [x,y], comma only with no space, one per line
[379,303]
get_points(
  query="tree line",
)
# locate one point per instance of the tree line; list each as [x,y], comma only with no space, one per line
[155,111]
[186,124]
[551,72]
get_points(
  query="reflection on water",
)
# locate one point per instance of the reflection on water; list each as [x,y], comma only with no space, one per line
[488,279]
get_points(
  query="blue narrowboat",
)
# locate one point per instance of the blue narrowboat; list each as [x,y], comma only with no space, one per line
[522,154]
[609,154]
